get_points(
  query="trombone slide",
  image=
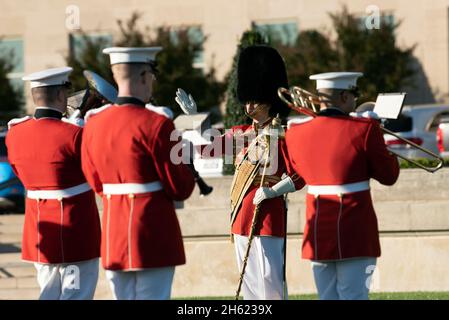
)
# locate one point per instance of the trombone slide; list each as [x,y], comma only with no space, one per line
[302,101]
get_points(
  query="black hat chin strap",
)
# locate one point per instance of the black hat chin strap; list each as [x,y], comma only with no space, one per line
[255,111]
[258,126]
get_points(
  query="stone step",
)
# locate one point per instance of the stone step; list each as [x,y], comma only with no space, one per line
[10,238]
[215,222]
[8,259]
[11,228]
[393,216]
[19,283]
[211,269]
[11,219]
[19,294]
[17,270]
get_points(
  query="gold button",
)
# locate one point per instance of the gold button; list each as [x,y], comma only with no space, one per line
[131,196]
[108,196]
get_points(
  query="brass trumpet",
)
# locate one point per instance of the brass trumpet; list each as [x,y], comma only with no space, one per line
[305,102]
[98,92]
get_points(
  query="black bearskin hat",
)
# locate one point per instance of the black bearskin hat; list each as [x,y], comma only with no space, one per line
[260,72]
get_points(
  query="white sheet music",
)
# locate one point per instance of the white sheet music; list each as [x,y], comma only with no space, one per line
[389,105]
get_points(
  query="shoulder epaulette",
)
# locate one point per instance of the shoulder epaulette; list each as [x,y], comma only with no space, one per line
[164,111]
[295,122]
[93,112]
[16,121]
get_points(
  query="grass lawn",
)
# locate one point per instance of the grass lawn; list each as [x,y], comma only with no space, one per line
[389,296]
[373,296]
[410,296]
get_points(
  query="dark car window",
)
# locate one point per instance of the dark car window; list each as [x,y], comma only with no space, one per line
[3,150]
[401,124]
[439,118]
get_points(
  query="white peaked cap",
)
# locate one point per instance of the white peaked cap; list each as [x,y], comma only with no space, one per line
[336,80]
[132,55]
[49,77]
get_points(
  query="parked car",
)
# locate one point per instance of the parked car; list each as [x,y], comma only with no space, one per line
[418,123]
[12,192]
[443,137]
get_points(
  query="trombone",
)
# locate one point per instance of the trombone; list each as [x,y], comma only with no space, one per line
[305,102]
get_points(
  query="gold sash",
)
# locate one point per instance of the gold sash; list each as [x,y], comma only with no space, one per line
[245,174]
[243,179]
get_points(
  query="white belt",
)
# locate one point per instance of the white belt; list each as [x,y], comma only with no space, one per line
[58,194]
[131,188]
[339,189]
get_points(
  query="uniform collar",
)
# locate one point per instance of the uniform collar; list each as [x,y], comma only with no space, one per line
[47,112]
[258,126]
[332,112]
[129,100]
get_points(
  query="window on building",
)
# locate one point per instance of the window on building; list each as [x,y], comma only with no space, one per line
[78,42]
[196,36]
[284,32]
[12,51]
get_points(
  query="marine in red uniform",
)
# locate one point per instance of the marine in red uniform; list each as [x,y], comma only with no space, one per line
[126,159]
[337,155]
[261,71]
[61,234]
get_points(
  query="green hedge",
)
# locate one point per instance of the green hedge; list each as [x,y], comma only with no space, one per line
[229,170]
[426,162]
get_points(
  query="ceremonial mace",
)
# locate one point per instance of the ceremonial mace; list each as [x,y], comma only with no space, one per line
[284,267]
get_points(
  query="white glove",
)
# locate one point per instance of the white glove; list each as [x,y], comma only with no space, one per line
[365,114]
[284,186]
[76,114]
[186,102]
[75,119]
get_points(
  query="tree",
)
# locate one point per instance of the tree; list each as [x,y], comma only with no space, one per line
[386,67]
[89,57]
[175,64]
[235,113]
[11,100]
[311,54]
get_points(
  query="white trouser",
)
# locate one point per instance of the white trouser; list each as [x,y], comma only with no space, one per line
[147,284]
[343,279]
[263,279]
[68,281]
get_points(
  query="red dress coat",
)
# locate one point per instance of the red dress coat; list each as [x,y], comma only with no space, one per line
[130,144]
[272,213]
[45,154]
[337,150]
